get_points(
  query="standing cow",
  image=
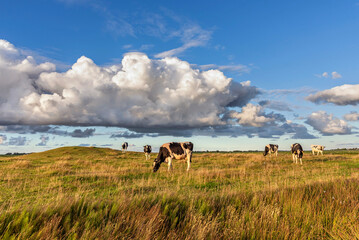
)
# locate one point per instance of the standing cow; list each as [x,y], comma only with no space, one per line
[124,147]
[173,150]
[271,148]
[147,150]
[297,152]
[317,149]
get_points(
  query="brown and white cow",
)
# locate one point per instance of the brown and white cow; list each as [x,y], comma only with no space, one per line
[147,150]
[173,150]
[271,148]
[124,147]
[317,149]
[297,152]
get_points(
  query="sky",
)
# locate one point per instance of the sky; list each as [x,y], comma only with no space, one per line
[233,75]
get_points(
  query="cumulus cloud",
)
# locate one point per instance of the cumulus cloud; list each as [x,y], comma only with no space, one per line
[78,133]
[254,116]
[327,124]
[140,91]
[352,116]
[346,94]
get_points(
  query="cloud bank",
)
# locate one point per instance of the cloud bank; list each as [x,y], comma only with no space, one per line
[139,92]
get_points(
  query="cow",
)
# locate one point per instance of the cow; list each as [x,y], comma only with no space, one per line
[147,150]
[271,148]
[173,150]
[317,149]
[297,152]
[124,147]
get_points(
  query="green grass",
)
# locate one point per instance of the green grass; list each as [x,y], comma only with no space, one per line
[99,193]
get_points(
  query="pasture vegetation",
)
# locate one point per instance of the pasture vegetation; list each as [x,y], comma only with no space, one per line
[89,193]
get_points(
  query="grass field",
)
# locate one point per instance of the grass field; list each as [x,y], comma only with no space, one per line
[89,193]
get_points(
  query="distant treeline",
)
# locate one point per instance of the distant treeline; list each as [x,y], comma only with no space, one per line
[14,154]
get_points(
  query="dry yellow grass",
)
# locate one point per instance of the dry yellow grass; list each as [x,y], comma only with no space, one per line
[90,193]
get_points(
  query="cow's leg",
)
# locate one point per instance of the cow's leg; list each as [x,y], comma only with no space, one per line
[169,159]
[301,163]
[321,153]
[293,157]
[276,153]
[296,159]
[189,159]
[149,156]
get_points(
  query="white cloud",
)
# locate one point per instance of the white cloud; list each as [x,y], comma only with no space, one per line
[139,92]
[336,75]
[333,75]
[352,116]
[325,74]
[341,95]
[251,115]
[327,124]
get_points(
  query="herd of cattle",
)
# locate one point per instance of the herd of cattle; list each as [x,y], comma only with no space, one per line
[183,150]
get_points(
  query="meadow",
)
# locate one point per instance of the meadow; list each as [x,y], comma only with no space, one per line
[101,193]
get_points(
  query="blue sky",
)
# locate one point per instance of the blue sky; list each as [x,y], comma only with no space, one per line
[231,76]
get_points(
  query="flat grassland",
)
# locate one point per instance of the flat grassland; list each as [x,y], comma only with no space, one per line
[89,193]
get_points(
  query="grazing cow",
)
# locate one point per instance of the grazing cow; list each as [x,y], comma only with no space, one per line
[297,152]
[317,149]
[124,147]
[173,150]
[147,149]
[270,148]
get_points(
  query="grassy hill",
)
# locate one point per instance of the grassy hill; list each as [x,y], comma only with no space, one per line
[88,193]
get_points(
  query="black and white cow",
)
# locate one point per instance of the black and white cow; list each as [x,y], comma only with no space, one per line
[317,149]
[271,148]
[173,150]
[147,150]
[124,147]
[297,152]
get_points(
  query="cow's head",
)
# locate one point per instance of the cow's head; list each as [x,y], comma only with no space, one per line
[188,145]
[160,159]
[156,165]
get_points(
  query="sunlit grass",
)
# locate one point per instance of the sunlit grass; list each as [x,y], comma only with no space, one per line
[89,193]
